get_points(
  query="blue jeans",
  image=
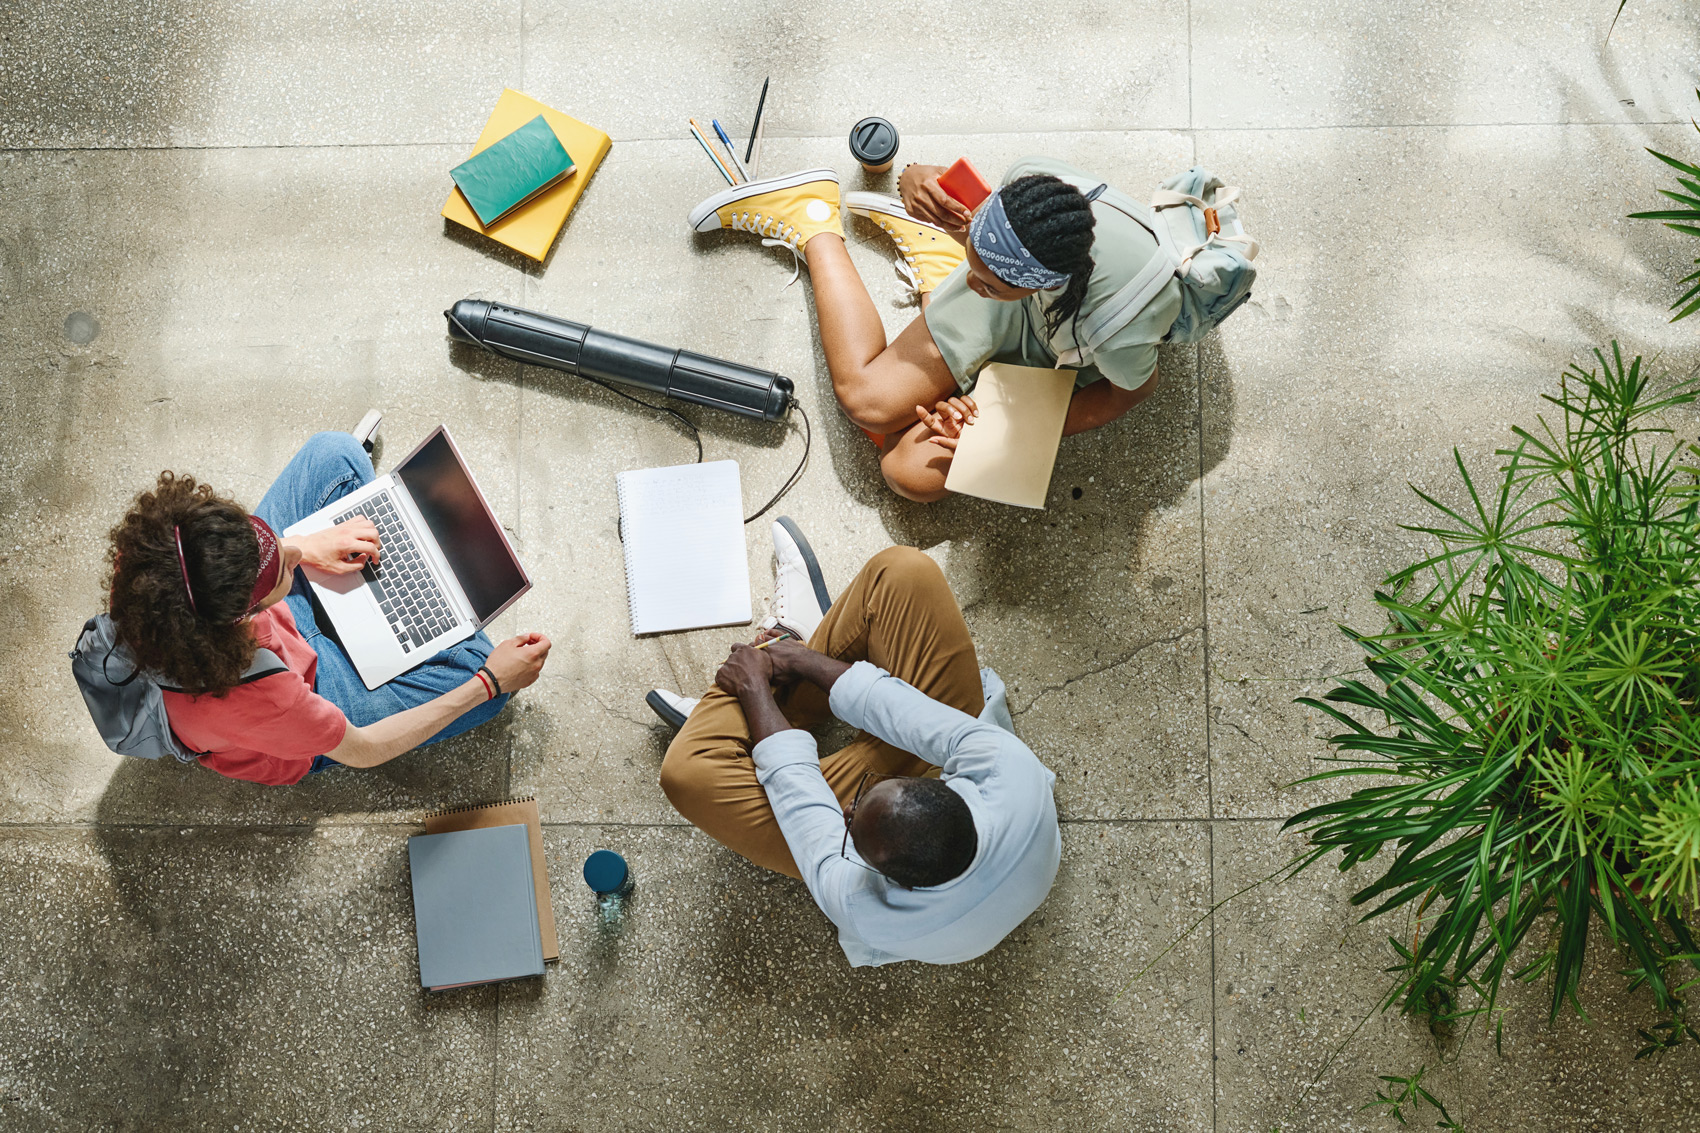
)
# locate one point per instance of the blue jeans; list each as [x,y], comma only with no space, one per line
[328,467]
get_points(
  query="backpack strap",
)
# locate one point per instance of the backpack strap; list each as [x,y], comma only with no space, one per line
[265,664]
[1114,313]
[1170,260]
[1226,195]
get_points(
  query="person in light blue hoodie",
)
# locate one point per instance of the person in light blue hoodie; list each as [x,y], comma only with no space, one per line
[934,834]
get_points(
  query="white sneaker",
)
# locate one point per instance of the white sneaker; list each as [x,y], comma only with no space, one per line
[367,431]
[800,599]
[670,706]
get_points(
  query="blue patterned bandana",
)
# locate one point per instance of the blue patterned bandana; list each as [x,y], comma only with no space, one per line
[996,243]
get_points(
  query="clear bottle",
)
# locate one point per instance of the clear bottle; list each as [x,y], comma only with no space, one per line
[611,880]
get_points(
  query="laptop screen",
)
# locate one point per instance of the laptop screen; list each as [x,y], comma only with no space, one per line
[471,540]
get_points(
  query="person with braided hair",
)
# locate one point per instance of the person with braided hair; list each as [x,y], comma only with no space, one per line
[1010,281]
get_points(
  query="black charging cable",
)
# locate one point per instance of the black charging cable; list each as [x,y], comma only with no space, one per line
[797,473]
[696,436]
[667,409]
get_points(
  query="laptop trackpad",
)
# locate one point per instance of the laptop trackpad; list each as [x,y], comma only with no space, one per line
[337,583]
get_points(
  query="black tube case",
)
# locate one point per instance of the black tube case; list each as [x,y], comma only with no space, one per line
[543,340]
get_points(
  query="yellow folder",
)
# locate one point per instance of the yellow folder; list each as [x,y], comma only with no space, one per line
[532,228]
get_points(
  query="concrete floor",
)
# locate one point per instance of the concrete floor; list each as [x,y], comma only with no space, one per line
[219,234]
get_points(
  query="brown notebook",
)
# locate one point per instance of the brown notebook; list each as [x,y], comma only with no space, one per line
[509,814]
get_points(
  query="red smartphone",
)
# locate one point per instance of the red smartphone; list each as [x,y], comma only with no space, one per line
[963,182]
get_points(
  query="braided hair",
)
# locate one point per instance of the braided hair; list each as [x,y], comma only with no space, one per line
[1053,220]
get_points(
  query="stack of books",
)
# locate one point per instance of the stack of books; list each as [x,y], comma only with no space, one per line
[527,171]
[481,896]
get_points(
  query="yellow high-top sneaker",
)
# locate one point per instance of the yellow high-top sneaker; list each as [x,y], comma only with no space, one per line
[785,211]
[928,254]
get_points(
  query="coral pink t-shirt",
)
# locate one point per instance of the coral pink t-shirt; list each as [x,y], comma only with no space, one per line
[267,731]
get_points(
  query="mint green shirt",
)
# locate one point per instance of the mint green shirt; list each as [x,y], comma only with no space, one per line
[970,330]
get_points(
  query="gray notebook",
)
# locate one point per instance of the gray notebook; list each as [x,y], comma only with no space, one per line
[474,906]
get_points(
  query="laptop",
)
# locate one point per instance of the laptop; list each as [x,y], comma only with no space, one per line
[445,567]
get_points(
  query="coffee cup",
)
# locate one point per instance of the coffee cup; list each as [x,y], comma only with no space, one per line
[873,142]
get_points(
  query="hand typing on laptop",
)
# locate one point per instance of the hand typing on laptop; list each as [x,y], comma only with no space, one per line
[342,549]
[447,569]
[262,665]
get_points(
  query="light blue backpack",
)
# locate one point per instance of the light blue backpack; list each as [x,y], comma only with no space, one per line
[127,704]
[1200,242]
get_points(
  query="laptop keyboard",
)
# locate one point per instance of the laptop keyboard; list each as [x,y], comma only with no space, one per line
[403,583]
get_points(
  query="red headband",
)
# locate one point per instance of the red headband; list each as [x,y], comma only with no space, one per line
[271,565]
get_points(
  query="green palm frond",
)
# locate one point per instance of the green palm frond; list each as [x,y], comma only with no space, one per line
[1525,735]
[1685,219]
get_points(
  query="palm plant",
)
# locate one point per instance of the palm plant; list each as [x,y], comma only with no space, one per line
[1684,219]
[1538,777]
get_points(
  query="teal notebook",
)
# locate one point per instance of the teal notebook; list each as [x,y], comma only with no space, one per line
[499,179]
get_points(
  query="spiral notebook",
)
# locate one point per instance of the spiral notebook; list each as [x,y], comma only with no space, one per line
[515,811]
[474,909]
[683,531]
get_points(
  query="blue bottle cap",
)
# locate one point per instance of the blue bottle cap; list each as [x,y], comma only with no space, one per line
[605,871]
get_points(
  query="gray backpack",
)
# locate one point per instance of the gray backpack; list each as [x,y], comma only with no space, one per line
[1200,241]
[126,703]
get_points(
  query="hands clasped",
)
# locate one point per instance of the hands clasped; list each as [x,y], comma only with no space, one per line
[748,669]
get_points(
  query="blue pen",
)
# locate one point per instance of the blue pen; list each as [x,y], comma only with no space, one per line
[730,151]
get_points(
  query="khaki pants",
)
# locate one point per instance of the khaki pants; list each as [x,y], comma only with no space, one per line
[899,614]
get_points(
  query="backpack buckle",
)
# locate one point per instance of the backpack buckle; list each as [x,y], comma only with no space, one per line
[1212,223]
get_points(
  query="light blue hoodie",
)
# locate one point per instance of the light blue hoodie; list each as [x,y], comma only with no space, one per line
[1007,789]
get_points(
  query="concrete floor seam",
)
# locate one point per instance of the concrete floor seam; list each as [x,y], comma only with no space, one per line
[293,827]
[1080,131]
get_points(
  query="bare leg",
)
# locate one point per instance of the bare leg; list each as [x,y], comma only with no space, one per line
[877,385]
[914,467]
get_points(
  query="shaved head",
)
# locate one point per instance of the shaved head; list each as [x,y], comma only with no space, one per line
[918,832]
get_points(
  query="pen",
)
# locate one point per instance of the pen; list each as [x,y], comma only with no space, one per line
[730,152]
[696,132]
[781,637]
[755,126]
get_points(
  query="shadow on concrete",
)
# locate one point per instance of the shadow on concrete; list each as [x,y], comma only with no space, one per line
[469,768]
[501,253]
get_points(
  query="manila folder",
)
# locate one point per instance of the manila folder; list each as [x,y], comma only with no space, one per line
[1008,452]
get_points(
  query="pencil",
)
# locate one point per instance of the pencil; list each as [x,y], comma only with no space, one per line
[696,132]
[781,637]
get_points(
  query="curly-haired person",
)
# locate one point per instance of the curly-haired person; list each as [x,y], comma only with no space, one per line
[1011,281]
[198,583]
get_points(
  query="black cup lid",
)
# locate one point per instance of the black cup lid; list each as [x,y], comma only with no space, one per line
[873,141]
